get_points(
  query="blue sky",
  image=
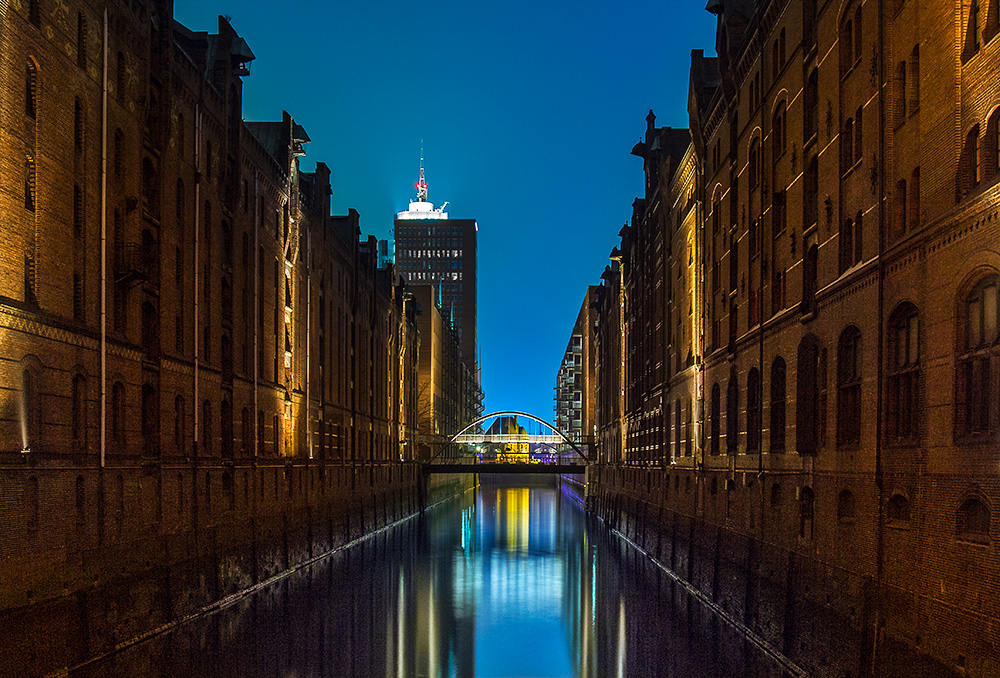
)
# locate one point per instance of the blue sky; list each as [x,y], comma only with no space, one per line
[527,111]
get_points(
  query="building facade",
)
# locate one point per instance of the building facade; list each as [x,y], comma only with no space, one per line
[815,374]
[431,248]
[575,400]
[188,339]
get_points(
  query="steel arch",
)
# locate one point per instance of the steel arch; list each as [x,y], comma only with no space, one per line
[502,413]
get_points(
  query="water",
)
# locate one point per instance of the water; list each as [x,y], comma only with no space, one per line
[512,580]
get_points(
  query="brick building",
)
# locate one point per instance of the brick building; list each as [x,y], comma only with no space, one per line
[189,339]
[805,302]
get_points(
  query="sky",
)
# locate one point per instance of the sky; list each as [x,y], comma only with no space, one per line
[527,110]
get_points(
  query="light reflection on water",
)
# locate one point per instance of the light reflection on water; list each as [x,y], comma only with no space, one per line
[509,581]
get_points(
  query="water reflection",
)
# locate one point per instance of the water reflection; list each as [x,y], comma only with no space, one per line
[509,581]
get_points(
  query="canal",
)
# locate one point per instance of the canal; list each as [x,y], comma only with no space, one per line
[512,579]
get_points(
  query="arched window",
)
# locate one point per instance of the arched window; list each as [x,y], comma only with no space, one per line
[32,411]
[733,412]
[900,99]
[778,131]
[245,432]
[78,126]
[150,422]
[180,426]
[972,523]
[968,171]
[227,429]
[775,495]
[778,405]
[979,357]
[846,244]
[31,89]
[118,415]
[716,416]
[807,396]
[846,511]
[809,272]
[913,203]
[846,47]
[898,511]
[79,413]
[119,153]
[859,149]
[206,427]
[991,146]
[806,511]
[754,163]
[903,401]
[847,146]
[849,387]
[857,34]
[753,410]
[30,183]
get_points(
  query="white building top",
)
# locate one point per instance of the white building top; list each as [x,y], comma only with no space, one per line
[421,208]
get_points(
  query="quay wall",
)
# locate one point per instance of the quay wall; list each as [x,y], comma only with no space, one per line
[824,612]
[151,547]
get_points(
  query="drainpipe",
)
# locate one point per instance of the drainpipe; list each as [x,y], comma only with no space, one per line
[197,261]
[256,318]
[104,245]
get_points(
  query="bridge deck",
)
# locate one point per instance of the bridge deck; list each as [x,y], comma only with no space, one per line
[505,468]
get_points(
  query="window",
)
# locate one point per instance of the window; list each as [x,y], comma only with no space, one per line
[778,405]
[806,509]
[811,126]
[754,163]
[846,510]
[977,398]
[846,47]
[778,131]
[850,242]
[913,203]
[968,171]
[972,523]
[677,429]
[149,417]
[810,205]
[753,411]
[809,280]
[81,40]
[716,416]
[206,427]
[32,408]
[29,183]
[849,388]
[897,512]
[34,12]
[79,413]
[119,152]
[847,146]
[180,427]
[915,79]
[972,30]
[78,126]
[733,412]
[859,149]
[807,396]
[902,403]
[31,89]
[118,415]
[857,34]
[900,100]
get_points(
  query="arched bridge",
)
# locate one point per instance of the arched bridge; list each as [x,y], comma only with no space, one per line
[507,446]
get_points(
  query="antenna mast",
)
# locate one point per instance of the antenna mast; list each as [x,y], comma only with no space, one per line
[422,184]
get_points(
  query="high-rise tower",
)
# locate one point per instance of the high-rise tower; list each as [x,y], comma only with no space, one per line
[432,249]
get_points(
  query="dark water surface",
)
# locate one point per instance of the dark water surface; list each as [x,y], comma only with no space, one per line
[511,580]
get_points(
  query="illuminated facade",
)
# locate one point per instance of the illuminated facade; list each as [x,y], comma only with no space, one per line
[189,338]
[809,295]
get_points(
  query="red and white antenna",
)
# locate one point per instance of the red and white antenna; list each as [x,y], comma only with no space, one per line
[422,184]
